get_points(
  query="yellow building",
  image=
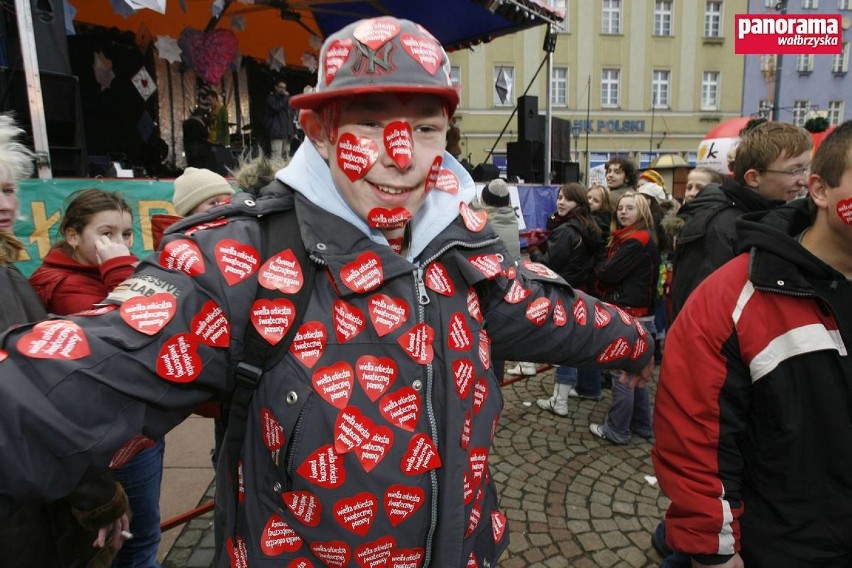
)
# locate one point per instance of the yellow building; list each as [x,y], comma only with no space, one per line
[637,77]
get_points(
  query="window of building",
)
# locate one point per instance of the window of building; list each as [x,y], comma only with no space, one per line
[804,63]
[835,112]
[800,110]
[660,89]
[710,90]
[609,87]
[713,19]
[455,75]
[504,85]
[769,4]
[559,86]
[663,18]
[768,63]
[840,62]
[611,17]
[810,4]
[844,5]
[764,109]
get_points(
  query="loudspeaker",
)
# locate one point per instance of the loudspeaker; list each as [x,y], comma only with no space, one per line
[530,124]
[485,172]
[525,159]
[565,172]
[50,38]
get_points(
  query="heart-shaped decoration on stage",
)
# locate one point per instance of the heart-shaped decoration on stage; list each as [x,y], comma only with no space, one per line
[209,53]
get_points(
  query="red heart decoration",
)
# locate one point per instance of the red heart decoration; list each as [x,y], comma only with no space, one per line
[324,468]
[334,553]
[438,280]
[204,226]
[300,562]
[355,156]
[602,316]
[376,553]
[304,505]
[273,434]
[475,515]
[375,374]
[580,311]
[402,501]
[309,343]
[560,316]
[281,272]
[351,429]
[467,429]
[406,558]
[473,220]
[478,461]
[237,261]
[209,53]
[149,314]
[538,310]
[272,318]
[487,264]
[844,210]
[473,305]
[626,318]
[97,311]
[480,393]
[348,320]
[459,337]
[357,513]
[336,55]
[401,408]
[398,142]
[373,450]
[277,537]
[3,354]
[179,361]
[471,561]
[434,172]
[463,371]
[129,450]
[364,273]
[615,350]
[540,269]
[334,383]
[54,339]
[448,182]
[484,349]
[417,343]
[423,50]
[183,255]
[237,552]
[386,313]
[467,488]
[498,525]
[210,325]
[376,32]
[516,293]
[639,349]
[421,455]
[381,218]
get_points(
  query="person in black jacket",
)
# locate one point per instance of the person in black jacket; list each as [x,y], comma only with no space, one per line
[279,121]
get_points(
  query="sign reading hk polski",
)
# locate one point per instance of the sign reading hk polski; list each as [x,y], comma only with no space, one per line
[788,34]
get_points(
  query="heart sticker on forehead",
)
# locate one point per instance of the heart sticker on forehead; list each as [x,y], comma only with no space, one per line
[423,50]
[356,156]
[376,32]
[844,210]
[398,142]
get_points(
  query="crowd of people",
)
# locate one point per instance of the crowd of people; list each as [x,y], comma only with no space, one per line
[349,315]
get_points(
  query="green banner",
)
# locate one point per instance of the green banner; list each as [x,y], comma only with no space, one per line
[43,202]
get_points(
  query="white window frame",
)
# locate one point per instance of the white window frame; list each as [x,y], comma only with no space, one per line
[840,62]
[805,62]
[663,18]
[611,17]
[660,87]
[801,109]
[510,97]
[835,112]
[559,86]
[810,4]
[713,18]
[610,88]
[844,4]
[768,63]
[455,75]
[764,109]
[710,82]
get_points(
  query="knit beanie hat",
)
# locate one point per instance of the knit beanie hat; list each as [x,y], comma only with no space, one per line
[496,193]
[196,186]
[653,176]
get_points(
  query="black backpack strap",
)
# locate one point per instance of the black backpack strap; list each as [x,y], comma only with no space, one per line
[280,232]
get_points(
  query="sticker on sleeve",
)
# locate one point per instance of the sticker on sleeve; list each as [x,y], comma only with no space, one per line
[273,434]
[405,557]
[363,274]
[467,430]
[480,394]
[540,269]
[386,313]
[99,311]
[448,182]
[463,371]
[376,32]
[179,361]
[473,307]
[580,311]
[498,525]
[149,314]
[355,156]
[335,56]
[438,280]
[434,171]
[423,50]
[210,325]
[487,264]
[272,318]
[602,316]
[626,318]
[538,310]
[129,450]
[376,553]
[237,552]
[459,336]
[402,501]
[281,272]
[560,317]
[324,468]
[484,349]
[381,218]
[237,261]
[309,343]
[401,408]
[399,143]
[640,329]
[357,513]
[349,321]
[278,537]
[334,553]
[304,505]
[615,350]
[640,347]
[204,226]
[374,449]
[375,375]
[334,383]
[473,220]
[421,456]
[54,339]
[844,210]
[417,343]
[517,293]
[182,255]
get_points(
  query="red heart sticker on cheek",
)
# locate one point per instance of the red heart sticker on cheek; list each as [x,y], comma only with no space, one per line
[398,143]
[179,361]
[381,218]
[356,156]
[150,314]
[434,172]
[844,210]
[54,339]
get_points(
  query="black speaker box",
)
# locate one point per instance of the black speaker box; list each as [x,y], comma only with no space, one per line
[485,172]
[50,38]
[525,159]
[530,124]
[565,172]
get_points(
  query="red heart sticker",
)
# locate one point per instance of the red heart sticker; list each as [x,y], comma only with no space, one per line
[396,244]
[538,310]
[309,343]
[401,408]
[473,305]
[540,269]
[281,272]
[434,172]
[334,553]
[467,488]
[349,321]
[516,293]
[438,280]
[237,261]
[237,552]
[179,361]
[478,461]
[471,561]
[640,329]
[475,515]
[363,274]
[640,347]
[373,450]
[375,375]
[386,313]
[272,318]
[463,376]
[423,50]
[484,349]
[204,226]
[376,32]
[626,318]
[402,501]
[300,562]
[277,537]
[97,311]
[480,393]
[510,272]
[615,350]
[844,210]
[351,429]
[149,314]
[459,337]
[448,182]
[580,311]
[560,316]
[498,525]
[3,354]
[357,513]
[334,383]
[183,255]
[421,456]
[355,156]
[129,450]
[381,218]
[331,119]
[406,558]
[210,325]
[473,220]
[324,468]
[602,316]
[273,434]
[398,142]
[487,264]
[241,486]
[417,343]
[336,55]
[467,430]
[304,505]
[54,339]
[376,553]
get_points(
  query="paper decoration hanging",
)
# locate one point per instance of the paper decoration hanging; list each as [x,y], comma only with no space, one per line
[315,42]
[69,11]
[121,8]
[276,59]
[309,60]
[217,7]
[209,53]
[103,71]
[168,49]
[238,23]
[144,83]
[156,5]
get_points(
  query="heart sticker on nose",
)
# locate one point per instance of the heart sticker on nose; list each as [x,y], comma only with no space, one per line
[355,156]
[398,142]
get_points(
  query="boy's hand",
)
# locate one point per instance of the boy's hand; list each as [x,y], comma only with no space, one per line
[111,534]
[640,379]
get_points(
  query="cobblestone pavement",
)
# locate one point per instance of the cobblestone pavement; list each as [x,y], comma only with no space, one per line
[572,499]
